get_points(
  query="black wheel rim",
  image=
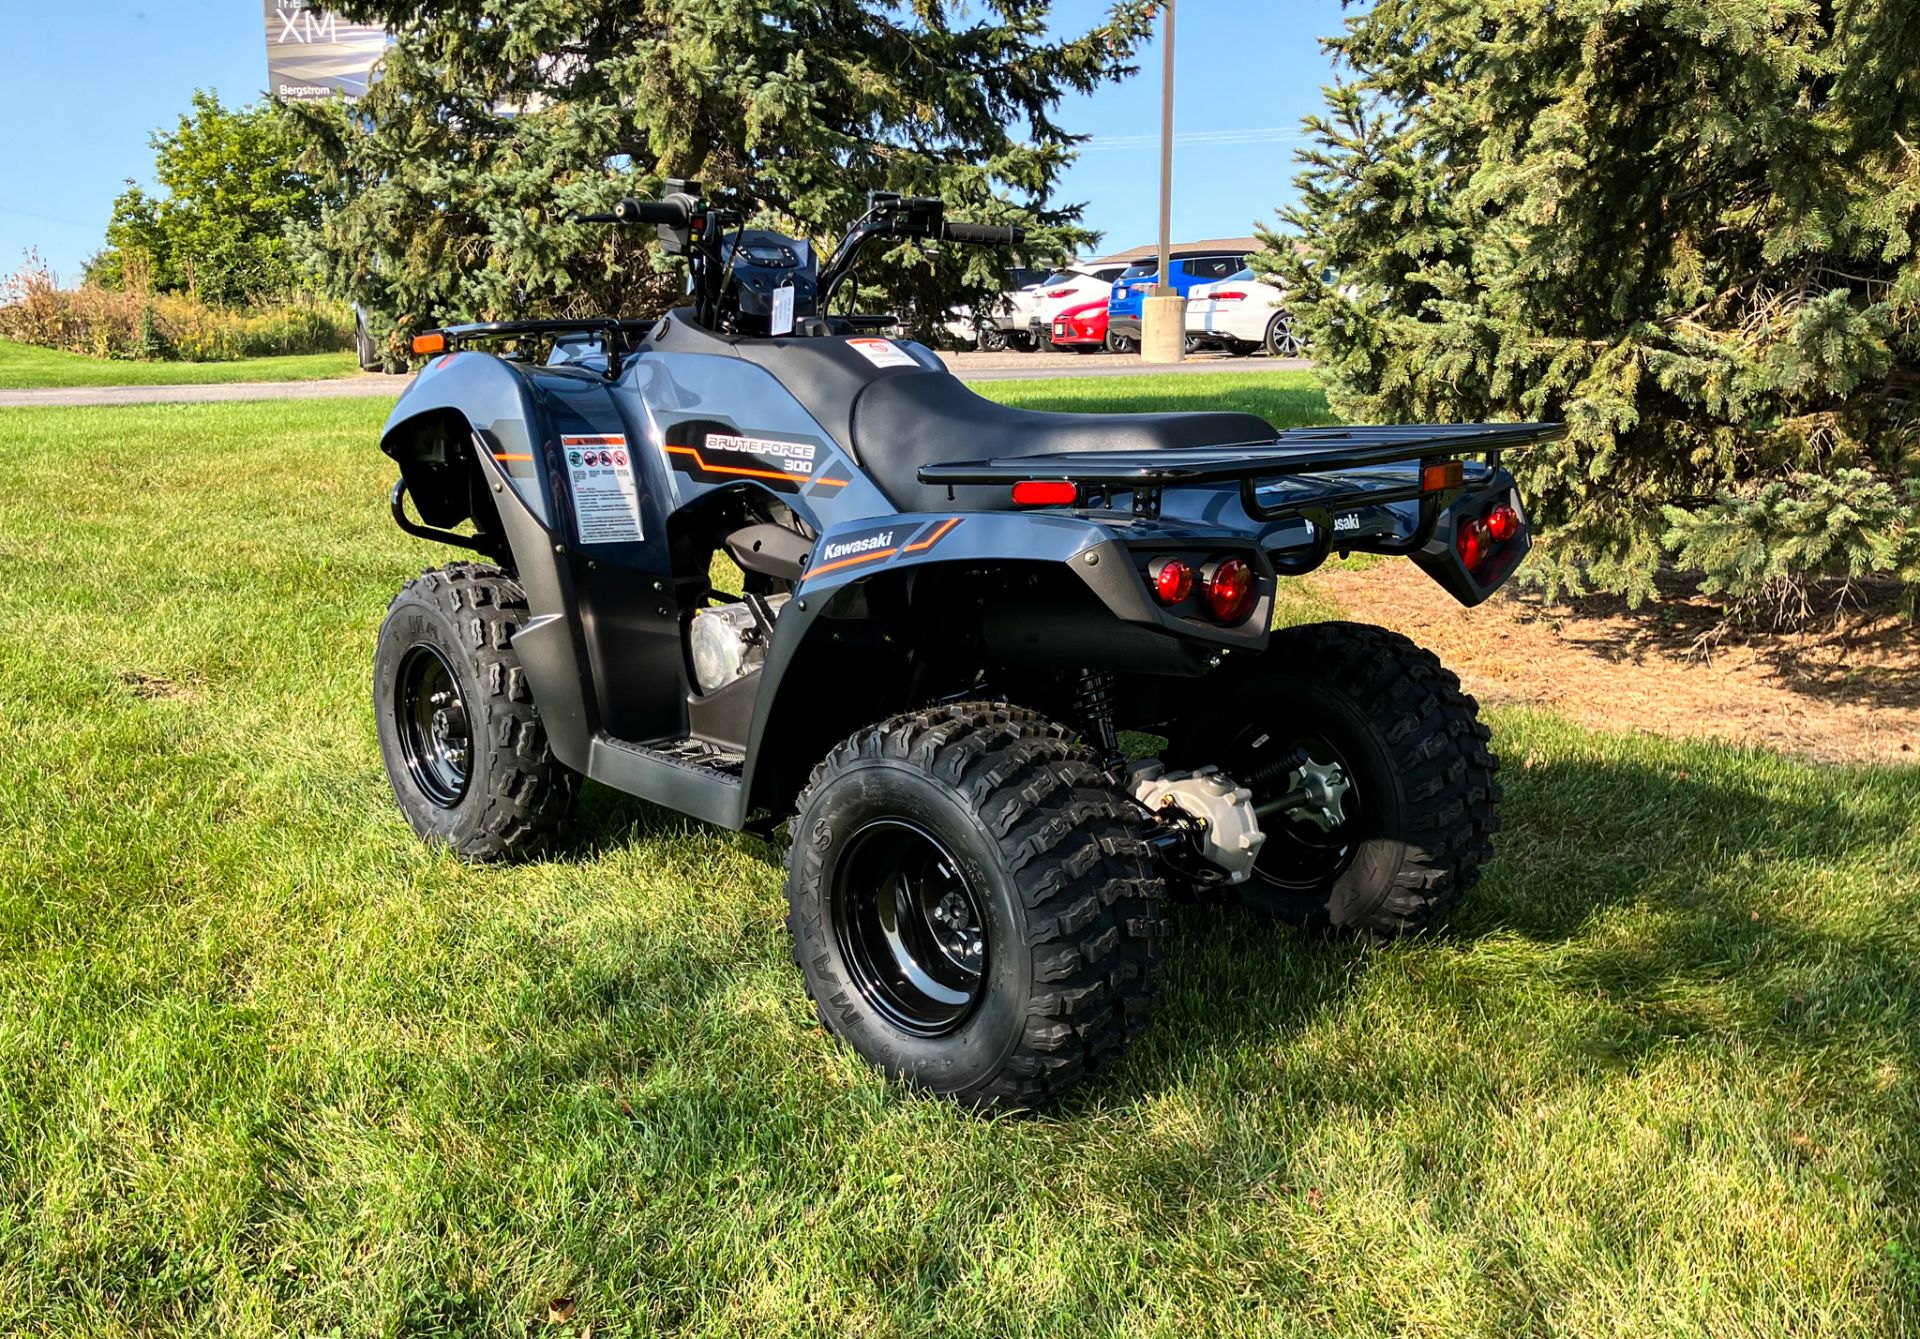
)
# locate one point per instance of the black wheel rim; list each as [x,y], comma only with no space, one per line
[909,926]
[432,724]
[1312,844]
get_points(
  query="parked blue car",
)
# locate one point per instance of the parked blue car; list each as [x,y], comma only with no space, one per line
[1188,268]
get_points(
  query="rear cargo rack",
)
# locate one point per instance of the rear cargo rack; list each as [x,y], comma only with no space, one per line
[1296,451]
[1304,456]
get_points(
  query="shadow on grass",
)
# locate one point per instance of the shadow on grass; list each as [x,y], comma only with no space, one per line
[1656,905]
[1638,913]
[1663,899]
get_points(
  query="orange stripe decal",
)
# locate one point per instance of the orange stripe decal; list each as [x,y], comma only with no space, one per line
[849,562]
[736,469]
[500,455]
[934,538]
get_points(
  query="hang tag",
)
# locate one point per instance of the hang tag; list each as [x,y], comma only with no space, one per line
[781,319]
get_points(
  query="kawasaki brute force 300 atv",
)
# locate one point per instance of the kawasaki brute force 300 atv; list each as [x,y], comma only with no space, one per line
[951,610]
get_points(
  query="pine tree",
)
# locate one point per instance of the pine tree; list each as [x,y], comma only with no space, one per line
[489,121]
[1684,228]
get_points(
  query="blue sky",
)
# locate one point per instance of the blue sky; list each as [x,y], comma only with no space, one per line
[84,84]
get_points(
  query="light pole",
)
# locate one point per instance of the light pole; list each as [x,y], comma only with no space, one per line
[1163,317]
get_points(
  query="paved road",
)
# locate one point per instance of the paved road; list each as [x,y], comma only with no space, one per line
[1034,367]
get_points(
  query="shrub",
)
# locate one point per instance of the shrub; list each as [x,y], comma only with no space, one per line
[134,323]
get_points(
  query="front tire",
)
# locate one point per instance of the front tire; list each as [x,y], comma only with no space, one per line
[991,339]
[1396,794]
[970,905]
[1121,344]
[461,737]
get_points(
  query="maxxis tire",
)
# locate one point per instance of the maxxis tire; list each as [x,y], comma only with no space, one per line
[517,793]
[1425,776]
[1075,918]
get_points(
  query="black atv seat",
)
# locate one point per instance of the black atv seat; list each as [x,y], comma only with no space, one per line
[908,420]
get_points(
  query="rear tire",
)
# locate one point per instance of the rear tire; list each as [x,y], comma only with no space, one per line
[971,907]
[461,737]
[1281,341]
[991,339]
[1399,753]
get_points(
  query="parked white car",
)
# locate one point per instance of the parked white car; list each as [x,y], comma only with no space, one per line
[1024,317]
[1241,314]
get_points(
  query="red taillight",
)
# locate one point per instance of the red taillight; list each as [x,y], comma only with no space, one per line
[1503,522]
[1045,493]
[1172,579]
[1229,590]
[1061,293]
[1232,296]
[1474,541]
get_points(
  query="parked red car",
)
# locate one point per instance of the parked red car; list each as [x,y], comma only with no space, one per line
[1082,329]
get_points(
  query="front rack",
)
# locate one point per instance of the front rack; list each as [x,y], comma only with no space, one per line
[610,329]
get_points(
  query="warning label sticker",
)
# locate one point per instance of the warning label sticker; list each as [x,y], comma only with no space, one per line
[606,502]
[882,353]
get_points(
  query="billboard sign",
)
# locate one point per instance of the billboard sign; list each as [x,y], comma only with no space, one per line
[314,53]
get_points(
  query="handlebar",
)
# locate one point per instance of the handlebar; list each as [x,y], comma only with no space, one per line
[698,229]
[675,211]
[985,234]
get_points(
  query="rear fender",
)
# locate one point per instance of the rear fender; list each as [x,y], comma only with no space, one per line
[1109,560]
[1067,593]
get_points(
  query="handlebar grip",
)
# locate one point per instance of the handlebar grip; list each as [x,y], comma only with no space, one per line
[673,213]
[986,234]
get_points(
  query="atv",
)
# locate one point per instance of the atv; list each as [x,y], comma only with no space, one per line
[1009,677]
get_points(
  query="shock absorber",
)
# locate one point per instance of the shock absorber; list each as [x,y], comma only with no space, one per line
[1093,704]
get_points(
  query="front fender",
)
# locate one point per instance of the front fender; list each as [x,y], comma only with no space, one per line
[476,438]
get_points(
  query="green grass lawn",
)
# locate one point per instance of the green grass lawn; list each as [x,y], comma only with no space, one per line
[269,1065]
[1286,399]
[24,365]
